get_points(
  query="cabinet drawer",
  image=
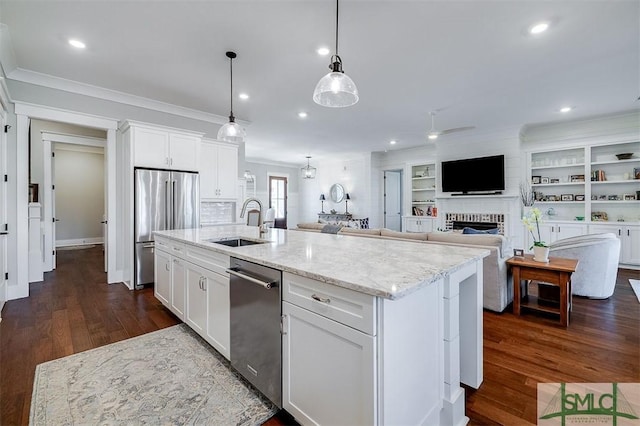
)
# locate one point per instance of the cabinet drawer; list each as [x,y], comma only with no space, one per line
[173,247]
[346,306]
[216,262]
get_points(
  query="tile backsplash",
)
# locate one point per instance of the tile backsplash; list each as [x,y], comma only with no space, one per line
[213,212]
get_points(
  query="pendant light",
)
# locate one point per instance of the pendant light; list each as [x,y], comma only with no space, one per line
[336,89]
[308,172]
[232,131]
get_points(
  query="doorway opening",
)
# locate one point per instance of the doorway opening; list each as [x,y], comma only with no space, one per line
[393,199]
[74,192]
[278,199]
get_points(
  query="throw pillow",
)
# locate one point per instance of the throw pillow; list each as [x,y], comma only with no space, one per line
[468,230]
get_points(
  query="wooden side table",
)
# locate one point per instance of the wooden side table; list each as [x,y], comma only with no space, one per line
[556,272]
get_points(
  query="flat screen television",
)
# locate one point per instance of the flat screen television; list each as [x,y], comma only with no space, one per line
[483,174]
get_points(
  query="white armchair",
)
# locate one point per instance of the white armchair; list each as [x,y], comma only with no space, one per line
[598,256]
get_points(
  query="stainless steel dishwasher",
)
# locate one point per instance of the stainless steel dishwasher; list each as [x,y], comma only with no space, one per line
[256,342]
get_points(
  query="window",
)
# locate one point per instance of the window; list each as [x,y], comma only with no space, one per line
[278,199]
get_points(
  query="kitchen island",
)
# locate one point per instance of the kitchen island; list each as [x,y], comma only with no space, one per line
[408,332]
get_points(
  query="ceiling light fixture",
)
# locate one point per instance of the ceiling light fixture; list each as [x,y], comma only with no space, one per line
[565,109]
[232,131]
[392,142]
[302,114]
[308,172]
[539,28]
[77,43]
[243,96]
[323,51]
[336,89]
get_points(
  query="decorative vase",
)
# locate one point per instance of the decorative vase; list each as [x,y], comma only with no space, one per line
[541,254]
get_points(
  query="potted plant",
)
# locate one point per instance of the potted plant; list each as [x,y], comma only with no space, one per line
[532,221]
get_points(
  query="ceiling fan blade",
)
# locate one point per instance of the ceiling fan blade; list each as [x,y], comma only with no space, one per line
[457,129]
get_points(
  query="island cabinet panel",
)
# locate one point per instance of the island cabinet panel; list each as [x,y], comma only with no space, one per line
[162,277]
[196,316]
[178,288]
[218,312]
[329,373]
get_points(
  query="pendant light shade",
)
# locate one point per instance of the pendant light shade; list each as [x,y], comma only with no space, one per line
[336,89]
[232,131]
[308,172]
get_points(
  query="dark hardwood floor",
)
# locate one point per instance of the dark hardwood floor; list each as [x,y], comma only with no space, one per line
[74,310]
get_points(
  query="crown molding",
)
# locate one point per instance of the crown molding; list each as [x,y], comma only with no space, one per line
[46,80]
[7,55]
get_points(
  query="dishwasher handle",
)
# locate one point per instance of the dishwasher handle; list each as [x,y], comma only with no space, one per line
[237,273]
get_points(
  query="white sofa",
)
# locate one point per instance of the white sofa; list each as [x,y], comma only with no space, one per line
[597,269]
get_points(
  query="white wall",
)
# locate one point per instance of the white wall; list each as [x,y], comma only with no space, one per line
[353,173]
[79,182]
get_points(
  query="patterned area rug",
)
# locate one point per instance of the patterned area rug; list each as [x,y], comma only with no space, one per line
[170,376]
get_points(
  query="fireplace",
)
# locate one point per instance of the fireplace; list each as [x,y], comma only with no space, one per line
[481,221]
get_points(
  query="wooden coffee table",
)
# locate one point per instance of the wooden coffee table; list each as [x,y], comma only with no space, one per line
[556,272]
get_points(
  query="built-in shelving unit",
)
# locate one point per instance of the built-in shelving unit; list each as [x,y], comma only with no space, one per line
[423,188]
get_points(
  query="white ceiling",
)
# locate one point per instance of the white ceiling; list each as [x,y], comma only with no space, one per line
[473,60]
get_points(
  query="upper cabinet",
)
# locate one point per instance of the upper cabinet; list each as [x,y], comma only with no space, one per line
[218,170]
[163,147]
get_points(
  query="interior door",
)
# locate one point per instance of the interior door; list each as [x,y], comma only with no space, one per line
[393,200]
[278,200]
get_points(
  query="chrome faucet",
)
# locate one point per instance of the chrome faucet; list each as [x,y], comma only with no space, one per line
[244,210]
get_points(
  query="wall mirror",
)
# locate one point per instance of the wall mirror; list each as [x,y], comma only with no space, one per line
[336,193]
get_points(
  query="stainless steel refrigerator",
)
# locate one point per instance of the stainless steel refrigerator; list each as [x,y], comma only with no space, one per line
[164,200]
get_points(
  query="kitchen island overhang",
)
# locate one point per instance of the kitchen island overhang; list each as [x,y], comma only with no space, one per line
[403,277]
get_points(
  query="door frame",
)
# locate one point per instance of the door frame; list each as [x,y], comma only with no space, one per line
[286,195]
[400,193]
[4,197]
[23,112]
[48,139]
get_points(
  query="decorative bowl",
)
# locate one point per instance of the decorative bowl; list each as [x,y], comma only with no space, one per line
[579,217]
[624,156]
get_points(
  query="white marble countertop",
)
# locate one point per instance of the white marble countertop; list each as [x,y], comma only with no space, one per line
[386,268]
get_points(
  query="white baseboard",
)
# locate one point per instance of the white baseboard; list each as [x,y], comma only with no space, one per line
[78,242]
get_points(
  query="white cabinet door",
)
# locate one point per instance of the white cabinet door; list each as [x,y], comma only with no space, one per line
[218,312]
[414,224]
[630,252]
[337,359]
[227,171]
[178,288]
[151,148]
[196,315]
[208,168]
[162,277]
[568,230]
[183,151]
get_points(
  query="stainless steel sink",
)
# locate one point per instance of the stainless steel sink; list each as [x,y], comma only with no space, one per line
[236,242]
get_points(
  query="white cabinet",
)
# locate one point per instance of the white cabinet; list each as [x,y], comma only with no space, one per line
[196,282]
[553,231]
[418,224]
[328,353]
[218,312]
[162,147]
[218,170]
[178,287]
[162,277]
[629,236]
[326,361]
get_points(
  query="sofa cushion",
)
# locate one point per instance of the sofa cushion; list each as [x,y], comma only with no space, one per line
[311,225]
[470,231]
[355,231]
[422,236]
[498,241]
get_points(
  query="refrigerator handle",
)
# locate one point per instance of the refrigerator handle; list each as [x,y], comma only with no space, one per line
[173,204]
[167,213]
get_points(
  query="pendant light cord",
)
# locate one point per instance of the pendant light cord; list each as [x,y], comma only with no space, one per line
[231,91]
[337,13]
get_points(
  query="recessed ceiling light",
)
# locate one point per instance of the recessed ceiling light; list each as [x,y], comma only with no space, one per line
[323,51]
[566,109]
[77,43]
[539,28]
[433,136]
[392,142]
[243,96]
[302,114]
